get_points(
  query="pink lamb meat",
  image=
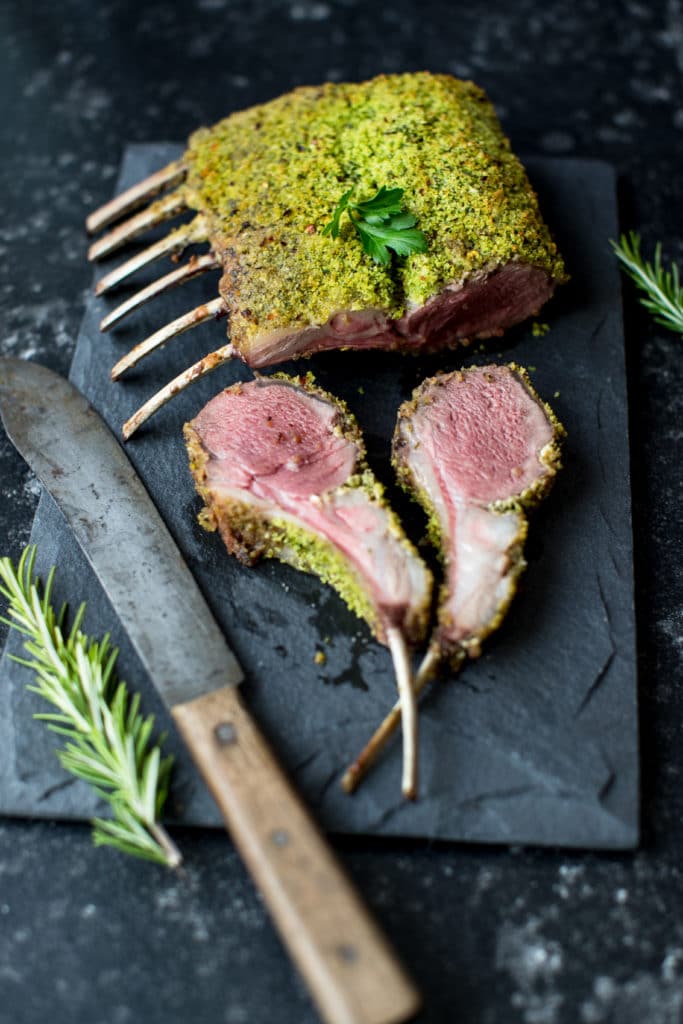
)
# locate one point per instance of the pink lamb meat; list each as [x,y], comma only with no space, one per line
[475,448]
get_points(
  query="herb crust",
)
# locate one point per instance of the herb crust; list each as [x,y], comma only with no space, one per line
[268,179]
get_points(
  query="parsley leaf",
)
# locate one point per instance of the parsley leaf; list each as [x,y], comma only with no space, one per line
[383,204]
[381,224]
[377,239]
[333,227]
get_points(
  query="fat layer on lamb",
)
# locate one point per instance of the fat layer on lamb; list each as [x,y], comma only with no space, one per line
[476,447]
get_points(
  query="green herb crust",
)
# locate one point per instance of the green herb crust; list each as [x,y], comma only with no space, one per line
[268,180]
[251,532]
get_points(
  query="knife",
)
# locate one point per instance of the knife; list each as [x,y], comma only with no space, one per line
[348,965]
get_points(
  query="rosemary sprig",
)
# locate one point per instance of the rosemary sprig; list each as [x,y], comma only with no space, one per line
[664,293]
[107,739]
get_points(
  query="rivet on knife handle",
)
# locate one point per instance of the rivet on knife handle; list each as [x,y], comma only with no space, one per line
[350,970]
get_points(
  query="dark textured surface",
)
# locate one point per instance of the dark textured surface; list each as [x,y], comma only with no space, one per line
[525,937]
[537,741]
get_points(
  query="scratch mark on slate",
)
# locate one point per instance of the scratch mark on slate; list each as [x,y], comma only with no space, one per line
[607,786]
[496,794]
[305,761]
[46,794]
[331,778]
[603,602]
[596,330]
[596,682]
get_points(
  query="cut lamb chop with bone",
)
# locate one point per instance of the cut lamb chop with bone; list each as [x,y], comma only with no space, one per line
[476,448]
[280,466]
[265,182]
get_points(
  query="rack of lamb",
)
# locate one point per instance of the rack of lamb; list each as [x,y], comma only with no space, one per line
[264,185]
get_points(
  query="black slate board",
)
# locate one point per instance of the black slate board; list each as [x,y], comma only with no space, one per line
[534,743]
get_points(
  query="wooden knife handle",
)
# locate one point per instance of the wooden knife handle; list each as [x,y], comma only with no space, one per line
[350,970]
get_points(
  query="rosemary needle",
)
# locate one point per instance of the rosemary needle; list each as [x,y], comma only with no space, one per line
[107,740]
[663,289]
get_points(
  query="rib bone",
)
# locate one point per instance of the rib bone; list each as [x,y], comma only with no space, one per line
[195,266]
[156,213]
[128,201]
[179,383]
[183,323]
[357,771]
[407,703]
[174,242]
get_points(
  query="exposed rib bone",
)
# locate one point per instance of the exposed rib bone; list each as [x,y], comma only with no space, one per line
[183,323]
[195,266]
[133,197]
[357,771]
[174,242]
[406,696]
[179,383]
[163,209]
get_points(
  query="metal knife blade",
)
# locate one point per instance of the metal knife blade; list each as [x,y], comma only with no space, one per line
[351,971]
[124,538]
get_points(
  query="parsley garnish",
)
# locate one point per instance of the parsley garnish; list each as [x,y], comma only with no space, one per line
[381,224]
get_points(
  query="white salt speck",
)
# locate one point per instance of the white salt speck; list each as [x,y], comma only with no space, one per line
[557,142]
[309,12]
[625,118]
[604,987]
[39,81]
[122,1014]
[571,872]
[671,963]
[33,487]
[236,1015]
[650,92]
[534,964]
[200,45]
[672,36]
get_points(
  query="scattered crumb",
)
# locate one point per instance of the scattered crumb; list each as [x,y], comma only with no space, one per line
[320,658]
[531,369]
[556,394]
[361,389]
[539,330]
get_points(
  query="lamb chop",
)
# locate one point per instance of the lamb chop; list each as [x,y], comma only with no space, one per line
[280,466]
[475,448]
[265,183]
